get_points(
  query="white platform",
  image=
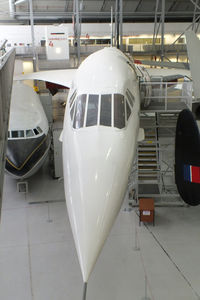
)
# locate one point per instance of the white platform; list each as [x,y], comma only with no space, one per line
[38,260]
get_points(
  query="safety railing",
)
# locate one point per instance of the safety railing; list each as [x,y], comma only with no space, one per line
[167,96]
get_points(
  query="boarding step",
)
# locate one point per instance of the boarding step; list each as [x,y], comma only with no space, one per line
[148,189]
[147,168]
[147,163]
[148,180]
[147,154]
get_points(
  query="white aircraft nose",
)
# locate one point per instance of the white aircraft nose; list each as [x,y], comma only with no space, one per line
[96,174]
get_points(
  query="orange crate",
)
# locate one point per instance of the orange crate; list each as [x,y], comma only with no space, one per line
[146,210]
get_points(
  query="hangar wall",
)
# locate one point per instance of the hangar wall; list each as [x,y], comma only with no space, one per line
[22,34]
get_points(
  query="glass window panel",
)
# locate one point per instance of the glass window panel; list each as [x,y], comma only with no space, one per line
[130,97]
[14,134]
[17,133]
[72,98]
[72,111]
[128,111]
[36,131]
[80,111]
[8,134]
[92,111]
[105,114]
[119,111]
[20,133]
[39,129]
[29,133]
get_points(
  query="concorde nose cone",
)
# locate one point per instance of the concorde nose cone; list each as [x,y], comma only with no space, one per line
[96,178]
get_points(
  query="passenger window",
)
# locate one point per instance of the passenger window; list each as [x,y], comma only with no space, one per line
[79,111]
[128,111]
[8,134]
[92,111]
[29,133]
[119,111]
[105,114]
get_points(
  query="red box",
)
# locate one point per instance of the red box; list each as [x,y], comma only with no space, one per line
[146,210]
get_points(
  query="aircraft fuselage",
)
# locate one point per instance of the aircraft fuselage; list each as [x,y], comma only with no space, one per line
[99,143]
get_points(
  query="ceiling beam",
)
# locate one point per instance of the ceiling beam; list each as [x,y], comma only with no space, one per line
[173,5]
[138,5]
[195,4]
[103,5]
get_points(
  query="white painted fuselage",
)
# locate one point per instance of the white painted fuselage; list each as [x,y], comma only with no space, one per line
[28,140]
[97,158]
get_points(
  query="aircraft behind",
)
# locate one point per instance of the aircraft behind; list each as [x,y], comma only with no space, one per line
[28,133]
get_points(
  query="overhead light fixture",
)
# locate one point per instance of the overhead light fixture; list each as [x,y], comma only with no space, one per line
[19,2]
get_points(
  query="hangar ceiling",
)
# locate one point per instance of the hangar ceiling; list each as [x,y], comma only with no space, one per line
[48,11]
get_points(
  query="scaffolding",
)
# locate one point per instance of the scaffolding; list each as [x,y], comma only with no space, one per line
[153,171]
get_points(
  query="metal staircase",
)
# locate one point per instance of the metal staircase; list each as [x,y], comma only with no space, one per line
[153,172]
[148,158]
[155,159]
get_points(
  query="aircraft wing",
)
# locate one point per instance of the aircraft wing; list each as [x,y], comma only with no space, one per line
[61,77]
[169,74]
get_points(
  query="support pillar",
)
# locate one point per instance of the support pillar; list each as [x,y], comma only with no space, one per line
[163,31]
[77,30]
[33,36]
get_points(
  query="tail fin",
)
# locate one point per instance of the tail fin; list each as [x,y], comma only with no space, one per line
[193,49]
[187,158]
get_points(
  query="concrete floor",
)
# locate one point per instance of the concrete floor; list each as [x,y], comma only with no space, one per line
[38,260]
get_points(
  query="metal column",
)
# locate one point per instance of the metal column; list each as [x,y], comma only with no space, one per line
[121,23]
[195,25]
[111,20]
[155,31]
[33,36]
[77,31]
[118,23]
[163,31]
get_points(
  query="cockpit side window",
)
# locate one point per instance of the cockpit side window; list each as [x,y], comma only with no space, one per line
[79,111]
[39,129]
[36,132]
[72,110]
[92,110]
[130,97]
[119,111]
[71,100]
[17,133]
[105,113]
[128,111]
[29,133]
